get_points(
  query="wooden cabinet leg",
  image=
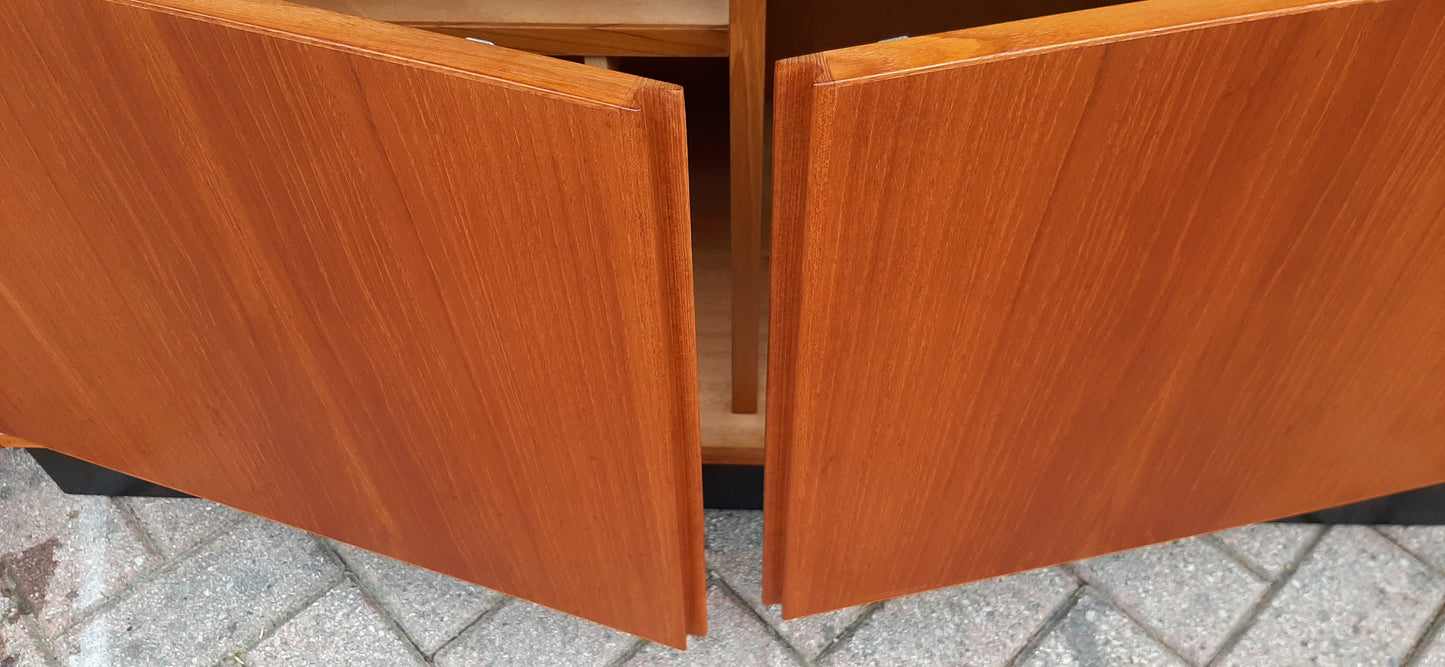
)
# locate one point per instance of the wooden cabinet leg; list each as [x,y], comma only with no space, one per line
[747,73]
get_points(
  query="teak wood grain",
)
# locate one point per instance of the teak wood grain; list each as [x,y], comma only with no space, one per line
[11,442]
[1067,286]
[747,73]
[424,296]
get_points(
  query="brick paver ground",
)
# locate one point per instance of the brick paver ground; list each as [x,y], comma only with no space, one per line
[158,582]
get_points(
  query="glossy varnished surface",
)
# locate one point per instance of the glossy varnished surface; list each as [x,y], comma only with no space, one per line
[1077,284]
[423,296]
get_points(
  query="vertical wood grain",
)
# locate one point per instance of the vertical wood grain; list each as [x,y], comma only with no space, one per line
[799,113]
[747,74]
[424,296]
[1058,288]
[665,134]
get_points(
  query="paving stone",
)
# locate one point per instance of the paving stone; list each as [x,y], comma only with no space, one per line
[1187,591]
[1269,547]
[18,647]
[1433,655]
[735,553]
[734,635]
[220,600]
[1427,542]
[177,524]
[432,608]
[522,633]
[64,553]
[984,623]
[1094,633]
[1357,600]
[341,628]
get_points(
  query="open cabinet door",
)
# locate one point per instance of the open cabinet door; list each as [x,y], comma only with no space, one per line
[421,295]
[1062,287]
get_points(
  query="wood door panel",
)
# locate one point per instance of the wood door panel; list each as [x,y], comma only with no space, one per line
[1058,288]
[427,297]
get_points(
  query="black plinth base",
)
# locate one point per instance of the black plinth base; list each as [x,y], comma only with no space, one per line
[732,487]
[741,488]
[79,478]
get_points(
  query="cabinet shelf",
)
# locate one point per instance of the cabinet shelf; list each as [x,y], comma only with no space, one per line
[563,27]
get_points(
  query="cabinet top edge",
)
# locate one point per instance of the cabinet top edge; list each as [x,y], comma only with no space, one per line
[1003,41]
[413,47]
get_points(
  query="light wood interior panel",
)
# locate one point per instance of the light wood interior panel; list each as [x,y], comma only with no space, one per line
[727,437]
[424,296]
[603,12]
[563,27]
[1062,287]
[594,40]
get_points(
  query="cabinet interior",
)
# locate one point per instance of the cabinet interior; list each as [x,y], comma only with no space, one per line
[727,438]
[801,27]
[563,27]
[462,12]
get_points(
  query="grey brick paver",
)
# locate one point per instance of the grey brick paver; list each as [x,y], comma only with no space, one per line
[18,645]
[1357,600]
[341,628]
[525,634]
[735,636]
[735,553]
[979,624]
[218,601]
[1187,591]
[1269,547]
[64,553]
[432,608]
[1432,654]
[1096,634]
[177,524]
[1427,542]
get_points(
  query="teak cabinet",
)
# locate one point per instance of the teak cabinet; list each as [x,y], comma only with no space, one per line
[1039,290]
